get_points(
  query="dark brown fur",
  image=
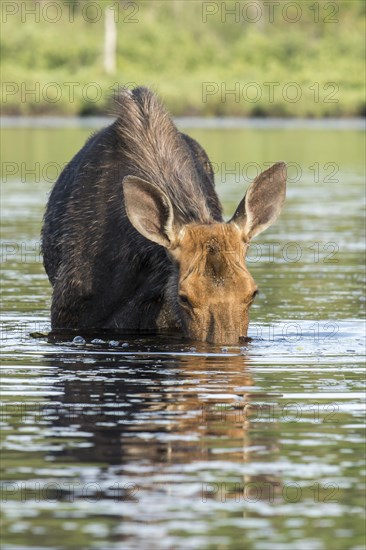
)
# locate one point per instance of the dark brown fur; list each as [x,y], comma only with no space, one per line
[103,272]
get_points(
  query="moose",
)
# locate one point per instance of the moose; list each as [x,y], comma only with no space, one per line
[134,237]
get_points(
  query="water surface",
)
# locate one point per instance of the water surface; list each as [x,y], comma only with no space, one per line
[156,442]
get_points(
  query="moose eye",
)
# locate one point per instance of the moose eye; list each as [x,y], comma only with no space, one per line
[184,300]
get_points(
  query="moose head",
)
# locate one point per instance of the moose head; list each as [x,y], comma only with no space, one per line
[213,289]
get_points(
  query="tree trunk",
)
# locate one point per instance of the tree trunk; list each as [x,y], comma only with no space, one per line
[110,41]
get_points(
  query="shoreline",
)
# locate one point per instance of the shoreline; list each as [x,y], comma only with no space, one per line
[288,123]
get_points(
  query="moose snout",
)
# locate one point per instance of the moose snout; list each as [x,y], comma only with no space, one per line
[220,327]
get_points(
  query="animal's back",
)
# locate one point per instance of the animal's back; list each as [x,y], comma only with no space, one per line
[104,273]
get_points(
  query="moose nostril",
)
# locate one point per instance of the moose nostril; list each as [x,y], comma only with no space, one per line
[210,337]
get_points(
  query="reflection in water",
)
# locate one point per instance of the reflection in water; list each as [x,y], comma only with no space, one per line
[161,445]
[166,412]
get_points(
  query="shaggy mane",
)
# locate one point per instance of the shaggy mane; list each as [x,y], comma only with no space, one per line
[156,152]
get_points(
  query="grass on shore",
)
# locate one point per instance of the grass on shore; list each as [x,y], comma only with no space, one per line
[200,63]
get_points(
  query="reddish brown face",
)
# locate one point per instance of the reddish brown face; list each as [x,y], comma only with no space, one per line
[215,289]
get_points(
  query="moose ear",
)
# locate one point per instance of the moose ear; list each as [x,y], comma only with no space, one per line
[149,210]
[263,201]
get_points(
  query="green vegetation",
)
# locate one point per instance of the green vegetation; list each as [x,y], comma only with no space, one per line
[193,53]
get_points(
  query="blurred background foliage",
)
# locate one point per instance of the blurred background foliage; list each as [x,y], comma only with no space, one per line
[52,54]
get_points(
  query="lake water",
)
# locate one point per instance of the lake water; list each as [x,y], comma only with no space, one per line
[160,443]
